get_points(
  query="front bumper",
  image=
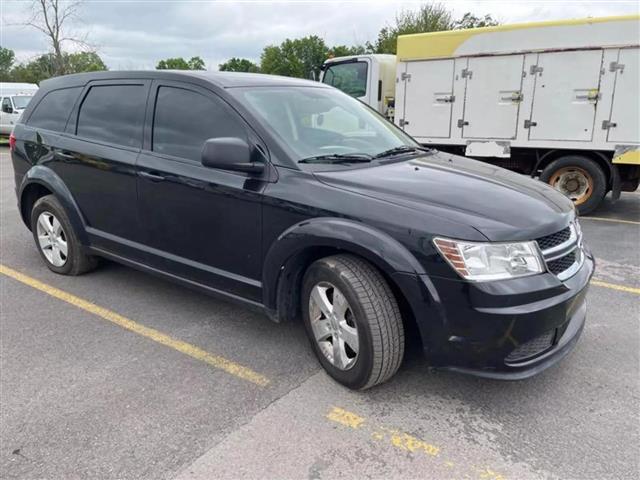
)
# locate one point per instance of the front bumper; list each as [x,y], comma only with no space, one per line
[505,330]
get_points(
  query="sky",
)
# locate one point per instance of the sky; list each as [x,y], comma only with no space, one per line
[135,34]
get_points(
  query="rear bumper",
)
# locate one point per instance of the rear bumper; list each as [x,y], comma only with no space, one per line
[507,330]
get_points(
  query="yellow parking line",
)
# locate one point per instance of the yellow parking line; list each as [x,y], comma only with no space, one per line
[614,286]
[614,220]
[150,333]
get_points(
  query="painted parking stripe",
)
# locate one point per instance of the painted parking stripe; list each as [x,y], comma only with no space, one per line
[614,286]
[614,220]
[216,361]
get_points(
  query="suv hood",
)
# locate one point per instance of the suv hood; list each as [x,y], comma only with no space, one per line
[500,204]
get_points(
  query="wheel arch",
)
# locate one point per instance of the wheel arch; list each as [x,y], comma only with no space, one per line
[41,181]
[304,243]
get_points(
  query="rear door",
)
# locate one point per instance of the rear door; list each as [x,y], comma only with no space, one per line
[98,162]
[428,98]
[625,111]
[566,95]
[493,96]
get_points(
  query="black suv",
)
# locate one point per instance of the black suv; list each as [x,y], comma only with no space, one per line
[300,201]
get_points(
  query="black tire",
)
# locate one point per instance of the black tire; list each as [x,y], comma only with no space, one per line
[76,262]
[375,313]
[597,179]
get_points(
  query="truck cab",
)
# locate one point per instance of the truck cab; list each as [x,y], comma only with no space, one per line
[14,98]
[369,78]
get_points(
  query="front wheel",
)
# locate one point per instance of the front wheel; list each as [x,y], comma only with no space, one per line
[579,178]
[353,321]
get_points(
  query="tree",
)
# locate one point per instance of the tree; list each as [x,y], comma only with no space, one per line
[344,51]
[44,66]
[84,62]
[469,20]
[238,65]
[431,17]
[179,63]
[51,18]
[300,58]
[7,57]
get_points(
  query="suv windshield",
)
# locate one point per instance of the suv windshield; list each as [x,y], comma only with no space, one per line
[21,101]
[321,122]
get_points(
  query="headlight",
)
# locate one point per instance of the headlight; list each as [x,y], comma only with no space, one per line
[483,262]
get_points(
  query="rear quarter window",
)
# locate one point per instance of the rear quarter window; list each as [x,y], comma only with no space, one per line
[113,114]
[52,112]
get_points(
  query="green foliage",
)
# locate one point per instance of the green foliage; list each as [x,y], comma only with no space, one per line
[239,65]
[44,66]
[344,51]
[431,17]
[300,58]
[179,63]
[7,57]
[469,20]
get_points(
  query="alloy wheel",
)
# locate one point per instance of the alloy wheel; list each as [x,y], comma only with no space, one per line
[52,239]
[333,325]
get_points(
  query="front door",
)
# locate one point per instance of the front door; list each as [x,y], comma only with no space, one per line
[201,223]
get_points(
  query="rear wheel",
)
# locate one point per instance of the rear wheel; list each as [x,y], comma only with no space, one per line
[56,241]
[353,321]
[579,178]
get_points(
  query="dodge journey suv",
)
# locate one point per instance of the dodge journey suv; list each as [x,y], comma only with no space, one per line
[299,201]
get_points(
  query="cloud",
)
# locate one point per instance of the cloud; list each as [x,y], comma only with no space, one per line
[136,34]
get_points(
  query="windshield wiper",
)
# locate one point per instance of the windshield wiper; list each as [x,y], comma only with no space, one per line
[401,149]
[338,158]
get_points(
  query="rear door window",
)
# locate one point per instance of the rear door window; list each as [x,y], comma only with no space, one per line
[113,114]
[185,119]
[54,109]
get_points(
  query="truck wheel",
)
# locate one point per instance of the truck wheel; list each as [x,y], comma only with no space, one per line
[352,320]
[56,241]
[579,178]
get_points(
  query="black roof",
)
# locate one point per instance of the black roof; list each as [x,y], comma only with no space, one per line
[220,79]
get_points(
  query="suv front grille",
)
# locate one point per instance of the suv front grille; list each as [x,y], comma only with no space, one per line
[532,348]
[562,251]
[554,239]
[561,264]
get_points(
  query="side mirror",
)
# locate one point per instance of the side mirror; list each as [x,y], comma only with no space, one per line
[228,153]
[7,109]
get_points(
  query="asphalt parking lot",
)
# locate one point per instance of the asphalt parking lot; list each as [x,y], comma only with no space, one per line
[117,374]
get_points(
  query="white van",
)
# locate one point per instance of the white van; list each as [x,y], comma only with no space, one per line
[14,98]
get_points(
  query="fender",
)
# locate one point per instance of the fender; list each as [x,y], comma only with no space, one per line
[42,175]
[374,245]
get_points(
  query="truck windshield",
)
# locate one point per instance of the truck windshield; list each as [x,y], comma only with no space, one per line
[350,77]
[21,101]
[320,122]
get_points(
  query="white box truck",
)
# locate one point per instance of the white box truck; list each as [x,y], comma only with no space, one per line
[557,100]
[14,98]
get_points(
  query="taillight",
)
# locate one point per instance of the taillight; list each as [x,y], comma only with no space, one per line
[12,142]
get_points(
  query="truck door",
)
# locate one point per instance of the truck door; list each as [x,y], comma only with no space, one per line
[493,96]
[428,98]
[624,123]
[565,95]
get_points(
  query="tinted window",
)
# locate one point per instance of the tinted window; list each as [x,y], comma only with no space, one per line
[184,120]
[351,78]
[53,110]
[113,114]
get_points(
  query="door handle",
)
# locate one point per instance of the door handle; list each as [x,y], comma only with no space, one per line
[154,177]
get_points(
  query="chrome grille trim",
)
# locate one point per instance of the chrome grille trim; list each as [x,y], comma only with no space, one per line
[571,246]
